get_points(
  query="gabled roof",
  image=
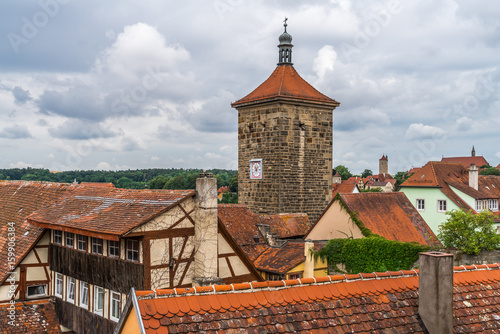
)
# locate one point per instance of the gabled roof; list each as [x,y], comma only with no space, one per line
[19,199]
[390,215]
[106,212]
[285,84]
[467,161]
[343,188]
[30,317]
[287,225]
[361,303]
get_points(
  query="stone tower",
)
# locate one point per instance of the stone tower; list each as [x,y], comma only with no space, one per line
[383,165]
[285,129]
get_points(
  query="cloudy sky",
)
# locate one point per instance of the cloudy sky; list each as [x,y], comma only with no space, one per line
[142,84]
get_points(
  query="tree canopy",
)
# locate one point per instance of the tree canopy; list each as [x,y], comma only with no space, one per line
[469,232]
[343,171]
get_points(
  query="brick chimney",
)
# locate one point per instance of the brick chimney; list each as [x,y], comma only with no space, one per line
[206,232]
[435,305]
[473,176]
[309,263]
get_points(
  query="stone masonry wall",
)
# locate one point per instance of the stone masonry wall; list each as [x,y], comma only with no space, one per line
[294,142]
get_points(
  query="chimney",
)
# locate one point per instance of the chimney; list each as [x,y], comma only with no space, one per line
[206,232]
[473,176]
[435,305]
[309,263]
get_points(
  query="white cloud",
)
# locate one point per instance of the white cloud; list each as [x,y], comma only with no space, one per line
[103,165]
[22,164]
[324,61]
[421,131]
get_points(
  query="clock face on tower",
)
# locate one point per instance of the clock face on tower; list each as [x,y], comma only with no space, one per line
[256,169]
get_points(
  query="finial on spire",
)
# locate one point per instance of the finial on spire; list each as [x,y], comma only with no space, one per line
[285,46]
[473,151]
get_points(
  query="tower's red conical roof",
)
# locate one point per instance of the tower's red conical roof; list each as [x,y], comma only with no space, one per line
[285,83]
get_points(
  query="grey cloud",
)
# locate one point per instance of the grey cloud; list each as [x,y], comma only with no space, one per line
[22,96]
[15,132]
[81,130]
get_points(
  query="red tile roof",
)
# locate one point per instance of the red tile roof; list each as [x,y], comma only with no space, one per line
[223,189]
[467,161]
[287,225]
[362,303]
[390,215]
[98,184]
[30,317]
[19,199]
[109,212]
[343,188]
[284,83]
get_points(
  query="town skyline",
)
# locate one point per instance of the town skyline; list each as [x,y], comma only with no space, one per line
[152,86]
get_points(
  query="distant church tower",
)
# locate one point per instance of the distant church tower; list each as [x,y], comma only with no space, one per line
[285,143]
[383,165]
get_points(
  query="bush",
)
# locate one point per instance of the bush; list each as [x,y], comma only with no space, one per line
[469,232]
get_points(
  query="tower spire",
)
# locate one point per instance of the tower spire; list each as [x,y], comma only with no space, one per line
[285,47]
[473,151]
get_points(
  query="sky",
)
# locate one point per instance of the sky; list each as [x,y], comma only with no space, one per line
[114,85]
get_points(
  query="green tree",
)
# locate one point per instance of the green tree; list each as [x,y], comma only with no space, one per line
[177,182]
[366,172]
[490,171]
[343,171]
[372,190]
[233,183]
[228,197]
[469,232]
[400,178]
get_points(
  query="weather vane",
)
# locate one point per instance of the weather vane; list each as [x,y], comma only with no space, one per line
[285,23]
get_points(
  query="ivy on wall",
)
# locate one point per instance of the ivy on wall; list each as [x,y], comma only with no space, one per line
[372,254]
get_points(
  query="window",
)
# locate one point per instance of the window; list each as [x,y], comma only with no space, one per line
[114,248]
[59,285]
[70,239]
[36,291]
[133,250]
[441,205]
[96,246]
[294,276]
[115,306]
[493,204]
[420,204]
[479,205]
[58,237]
[84,295]
[82,243]
[71,290]
[98,300]
[273,277]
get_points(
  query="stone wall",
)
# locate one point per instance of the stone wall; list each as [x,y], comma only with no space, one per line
[489,257]
[294,142]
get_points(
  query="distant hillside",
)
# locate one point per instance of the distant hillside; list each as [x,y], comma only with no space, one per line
[155,178]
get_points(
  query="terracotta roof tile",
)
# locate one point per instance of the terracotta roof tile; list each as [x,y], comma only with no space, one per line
[107,211]
[30,317]
[287,225]
[364,304]
[467,161]
[284,83]
[390,215]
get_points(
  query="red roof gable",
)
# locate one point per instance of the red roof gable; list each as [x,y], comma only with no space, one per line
[109,212]
[362,303]
[343,188]
[467,161]
[285,83]
[287,225]
[390,215]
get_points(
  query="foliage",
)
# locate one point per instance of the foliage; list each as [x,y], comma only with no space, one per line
[400,178]
[469,232]
[154,178]
[233,183]
[366,172]
[371,254]
[372,190]
[343,171]
[229,198]
[490,171]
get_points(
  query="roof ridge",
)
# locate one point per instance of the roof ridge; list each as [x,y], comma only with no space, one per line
[300,282]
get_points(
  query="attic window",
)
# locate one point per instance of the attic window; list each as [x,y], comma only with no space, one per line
[256,238]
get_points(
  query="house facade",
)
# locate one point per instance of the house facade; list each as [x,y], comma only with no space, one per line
[439,187]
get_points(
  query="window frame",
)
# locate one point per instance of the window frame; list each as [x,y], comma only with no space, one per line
[114,302]
[84,287]
[440,205]
[98,243]
[420,204]
[132,251]
[59,285]
[80,240]
[115,245]
[70,283]
[69,236]
[44,294]
[97,292]
[58,237]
